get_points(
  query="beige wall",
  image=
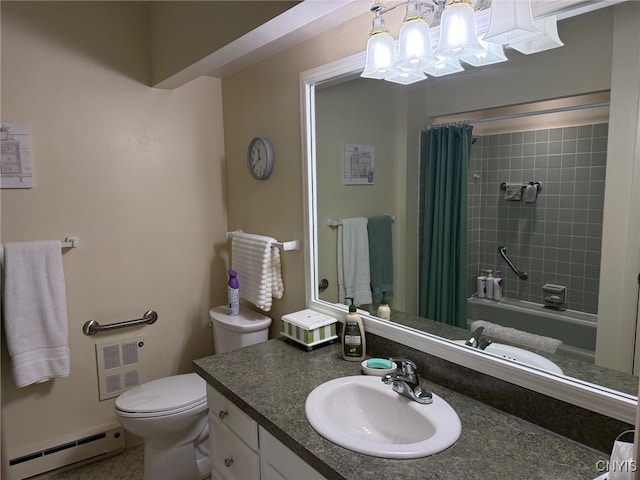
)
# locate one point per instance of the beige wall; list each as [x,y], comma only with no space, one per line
[136,173]
[363,122]
[263,100]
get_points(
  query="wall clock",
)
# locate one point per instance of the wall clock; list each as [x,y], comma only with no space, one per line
[260,158]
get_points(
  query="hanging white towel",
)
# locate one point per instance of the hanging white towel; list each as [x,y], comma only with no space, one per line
[354,279]
[35,311]
[257,262]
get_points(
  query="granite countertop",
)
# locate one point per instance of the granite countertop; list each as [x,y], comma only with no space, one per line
[270,382]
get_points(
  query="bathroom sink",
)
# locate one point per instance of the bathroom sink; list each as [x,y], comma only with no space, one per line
[520,355]
[363,414]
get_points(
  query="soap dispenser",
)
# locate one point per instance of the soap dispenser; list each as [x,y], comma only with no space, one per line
[384,311]
[353,339]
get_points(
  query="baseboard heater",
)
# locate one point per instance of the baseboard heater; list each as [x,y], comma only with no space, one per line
[89,448]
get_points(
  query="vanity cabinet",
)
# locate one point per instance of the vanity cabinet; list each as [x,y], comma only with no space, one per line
[243,450]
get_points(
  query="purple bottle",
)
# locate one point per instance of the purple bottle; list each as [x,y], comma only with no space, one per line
[233,293]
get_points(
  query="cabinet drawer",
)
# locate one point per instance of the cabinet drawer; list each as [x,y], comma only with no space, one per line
[230,415]
[231,458]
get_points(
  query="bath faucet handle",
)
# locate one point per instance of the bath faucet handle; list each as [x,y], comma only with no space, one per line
[406,366]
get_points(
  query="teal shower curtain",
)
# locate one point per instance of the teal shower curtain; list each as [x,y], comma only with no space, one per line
[444,160]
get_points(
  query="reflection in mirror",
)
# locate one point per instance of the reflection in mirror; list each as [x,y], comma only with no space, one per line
[535,123]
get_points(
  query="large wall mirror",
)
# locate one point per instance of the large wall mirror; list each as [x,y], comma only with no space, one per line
[547,119]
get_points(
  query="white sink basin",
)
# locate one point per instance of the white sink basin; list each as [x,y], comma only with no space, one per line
[364,415]
[520,355]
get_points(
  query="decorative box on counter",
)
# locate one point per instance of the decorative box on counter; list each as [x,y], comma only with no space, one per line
[308,327]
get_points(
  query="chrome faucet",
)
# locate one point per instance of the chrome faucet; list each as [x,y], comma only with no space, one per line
[406,382]
[476,340]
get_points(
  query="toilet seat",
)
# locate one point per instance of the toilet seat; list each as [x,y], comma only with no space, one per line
[163,397]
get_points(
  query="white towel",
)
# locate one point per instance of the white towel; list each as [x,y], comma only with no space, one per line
[257,262]
[35,311]
[354,279]
[513,335]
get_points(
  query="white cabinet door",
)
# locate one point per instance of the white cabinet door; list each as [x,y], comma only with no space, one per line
[231,458]
[277,462]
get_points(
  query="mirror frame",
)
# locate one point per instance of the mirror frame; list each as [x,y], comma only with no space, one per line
[573,391]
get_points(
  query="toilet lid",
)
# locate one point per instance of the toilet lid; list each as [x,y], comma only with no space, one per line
[164,394]
[246,322]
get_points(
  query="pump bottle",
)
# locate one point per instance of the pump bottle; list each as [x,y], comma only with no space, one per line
[384,311]
[353,339]
[489,284]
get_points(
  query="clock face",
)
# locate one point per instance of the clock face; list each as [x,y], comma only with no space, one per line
[260,158]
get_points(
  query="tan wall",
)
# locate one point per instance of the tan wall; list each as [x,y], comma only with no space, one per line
[136,173]
[263,100]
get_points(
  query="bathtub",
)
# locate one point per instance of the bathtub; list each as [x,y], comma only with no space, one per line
[577,330]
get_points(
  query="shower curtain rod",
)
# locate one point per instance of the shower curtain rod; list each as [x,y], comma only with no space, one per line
[523,114]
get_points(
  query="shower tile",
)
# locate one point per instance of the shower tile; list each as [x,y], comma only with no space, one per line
[585,131]
[599,144]
[541,136]
[569,146]
[542,149]
[555,147]
[555,134]
[582,173]
[601,130]
[579,229]
[529,149]
[583,159]
[569,133]
[530,136]
[583,145]
[579,214]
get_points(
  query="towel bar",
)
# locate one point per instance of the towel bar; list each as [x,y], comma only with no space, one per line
[285,246]
[92,327]
[335,223]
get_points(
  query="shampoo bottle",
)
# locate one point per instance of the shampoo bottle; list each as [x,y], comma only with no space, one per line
[384,311]
[233,293]
[497,288]
[353,339]
[482,284]
[490,284]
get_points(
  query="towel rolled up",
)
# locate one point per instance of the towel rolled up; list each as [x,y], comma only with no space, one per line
[513,335]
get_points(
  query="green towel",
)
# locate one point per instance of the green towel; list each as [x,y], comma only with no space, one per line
[381,256]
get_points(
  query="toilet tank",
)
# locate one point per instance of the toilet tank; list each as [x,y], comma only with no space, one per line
[236,331]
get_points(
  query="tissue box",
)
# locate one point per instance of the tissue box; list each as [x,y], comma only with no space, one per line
[308,327]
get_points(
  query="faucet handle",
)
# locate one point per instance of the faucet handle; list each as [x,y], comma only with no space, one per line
[406,365]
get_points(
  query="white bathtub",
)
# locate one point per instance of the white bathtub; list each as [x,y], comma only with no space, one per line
[577,330]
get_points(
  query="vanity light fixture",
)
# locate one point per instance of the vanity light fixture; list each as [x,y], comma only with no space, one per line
[458,35]
[510,25]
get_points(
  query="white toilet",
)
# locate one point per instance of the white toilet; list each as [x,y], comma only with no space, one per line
[170,414]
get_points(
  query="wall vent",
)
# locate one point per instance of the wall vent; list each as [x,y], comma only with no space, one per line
[119,365]
[68,454]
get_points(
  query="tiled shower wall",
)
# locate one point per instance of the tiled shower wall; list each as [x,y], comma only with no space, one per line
[555,240]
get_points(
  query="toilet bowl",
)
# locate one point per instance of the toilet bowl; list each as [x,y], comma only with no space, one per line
[170,414]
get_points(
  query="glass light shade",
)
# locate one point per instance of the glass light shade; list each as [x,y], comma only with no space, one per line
[406,76]
[493,53]
[415,50]
[445,66]
[546,40]
[458,34]
[381,56]
[509,20]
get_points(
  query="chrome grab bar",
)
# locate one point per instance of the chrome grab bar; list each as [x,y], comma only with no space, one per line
[92,327]
[503,251]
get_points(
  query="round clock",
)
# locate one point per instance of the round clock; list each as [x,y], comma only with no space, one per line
[260,158]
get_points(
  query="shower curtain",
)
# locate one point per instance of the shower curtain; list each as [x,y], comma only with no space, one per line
[444,160]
